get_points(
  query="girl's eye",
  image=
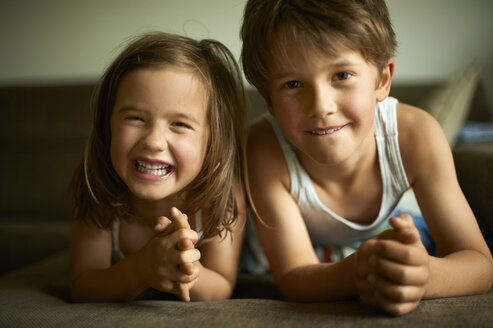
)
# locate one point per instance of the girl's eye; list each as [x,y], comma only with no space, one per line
[341,76]
[293,84]
[182,125]
[134,118]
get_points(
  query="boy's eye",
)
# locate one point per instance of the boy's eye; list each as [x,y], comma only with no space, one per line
[293,84]
[341,76]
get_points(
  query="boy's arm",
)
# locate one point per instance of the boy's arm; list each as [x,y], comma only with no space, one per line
[219,260]
[465,264]
[282,231]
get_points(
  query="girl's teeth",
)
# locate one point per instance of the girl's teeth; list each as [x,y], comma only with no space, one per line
[154,169]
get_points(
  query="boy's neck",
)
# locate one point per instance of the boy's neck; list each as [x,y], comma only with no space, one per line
[347,173]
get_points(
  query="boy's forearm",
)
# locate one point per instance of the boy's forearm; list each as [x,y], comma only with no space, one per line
[320,282]
[461,273]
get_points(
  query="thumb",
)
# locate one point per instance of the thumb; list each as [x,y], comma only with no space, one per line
[180,219]
[405,229]
[162,224]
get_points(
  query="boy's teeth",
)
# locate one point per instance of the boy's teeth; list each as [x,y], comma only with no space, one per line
[154,169]
[326,131]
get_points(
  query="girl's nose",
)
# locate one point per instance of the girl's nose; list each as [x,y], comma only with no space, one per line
[322,103]
[155,139]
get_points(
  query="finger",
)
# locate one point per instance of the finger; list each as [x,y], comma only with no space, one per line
[188,256]
[403,253]
[404,229]
[363,254]
[395,308]
[365,289]
[396,292]
[402,221]
[183,237]
[187,268]
[184,292]
[184,244]
[162,224]
[180,219]
[400,273]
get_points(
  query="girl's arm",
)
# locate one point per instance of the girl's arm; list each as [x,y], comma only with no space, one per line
[219,260]
[281,229]
[93,278]
[464,265]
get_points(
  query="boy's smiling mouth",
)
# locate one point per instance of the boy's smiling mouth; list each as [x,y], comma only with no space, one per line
[325,131]
[157,169]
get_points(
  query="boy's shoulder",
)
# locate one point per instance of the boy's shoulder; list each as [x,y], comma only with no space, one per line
[414,122]
[264,153]
[421,139]
[262,138]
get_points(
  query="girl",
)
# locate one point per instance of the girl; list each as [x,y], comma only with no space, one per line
[335,155]
[167,140]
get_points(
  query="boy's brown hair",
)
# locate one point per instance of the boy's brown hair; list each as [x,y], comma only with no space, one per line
[100,195]
[362,25]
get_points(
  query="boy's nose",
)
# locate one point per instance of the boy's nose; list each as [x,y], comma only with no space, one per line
[322,103]
[155,139]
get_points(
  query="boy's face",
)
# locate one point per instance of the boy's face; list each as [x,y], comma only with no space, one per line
[324,104]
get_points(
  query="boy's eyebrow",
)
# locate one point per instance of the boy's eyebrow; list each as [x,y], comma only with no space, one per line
[338,63]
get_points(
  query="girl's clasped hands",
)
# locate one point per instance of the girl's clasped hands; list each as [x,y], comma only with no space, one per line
[169,261]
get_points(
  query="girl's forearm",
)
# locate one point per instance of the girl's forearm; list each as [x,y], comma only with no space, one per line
[210,286]
[116,283]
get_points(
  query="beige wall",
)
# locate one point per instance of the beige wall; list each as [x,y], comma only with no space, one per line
[71,41]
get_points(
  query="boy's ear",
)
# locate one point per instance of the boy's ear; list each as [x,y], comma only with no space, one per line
[267,100]
[383,88]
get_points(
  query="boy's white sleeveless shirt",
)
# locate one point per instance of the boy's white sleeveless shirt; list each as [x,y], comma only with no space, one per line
[326,228]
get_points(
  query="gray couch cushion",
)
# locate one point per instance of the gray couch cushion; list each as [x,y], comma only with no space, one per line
[37,296]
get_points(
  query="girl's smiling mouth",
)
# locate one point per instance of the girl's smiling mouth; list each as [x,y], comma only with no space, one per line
[154,168]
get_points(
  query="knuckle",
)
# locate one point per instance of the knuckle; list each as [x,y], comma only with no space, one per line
[409,254]
[399,294]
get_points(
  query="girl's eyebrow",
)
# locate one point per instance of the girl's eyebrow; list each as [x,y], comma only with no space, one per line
[124,109]
[175,114]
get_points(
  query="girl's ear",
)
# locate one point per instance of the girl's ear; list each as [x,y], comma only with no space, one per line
[383,88]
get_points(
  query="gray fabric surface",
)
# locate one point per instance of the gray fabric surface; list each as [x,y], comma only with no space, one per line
[37,296]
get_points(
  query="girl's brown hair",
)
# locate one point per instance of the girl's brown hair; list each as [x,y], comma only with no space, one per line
[99,193]
[362,25]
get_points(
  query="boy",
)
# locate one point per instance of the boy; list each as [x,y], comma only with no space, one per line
[335,155]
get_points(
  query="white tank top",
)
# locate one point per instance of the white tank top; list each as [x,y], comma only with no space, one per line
[326,228]
[117,254]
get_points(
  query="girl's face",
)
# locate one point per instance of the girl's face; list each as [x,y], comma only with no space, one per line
[159,131]
[324,104]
